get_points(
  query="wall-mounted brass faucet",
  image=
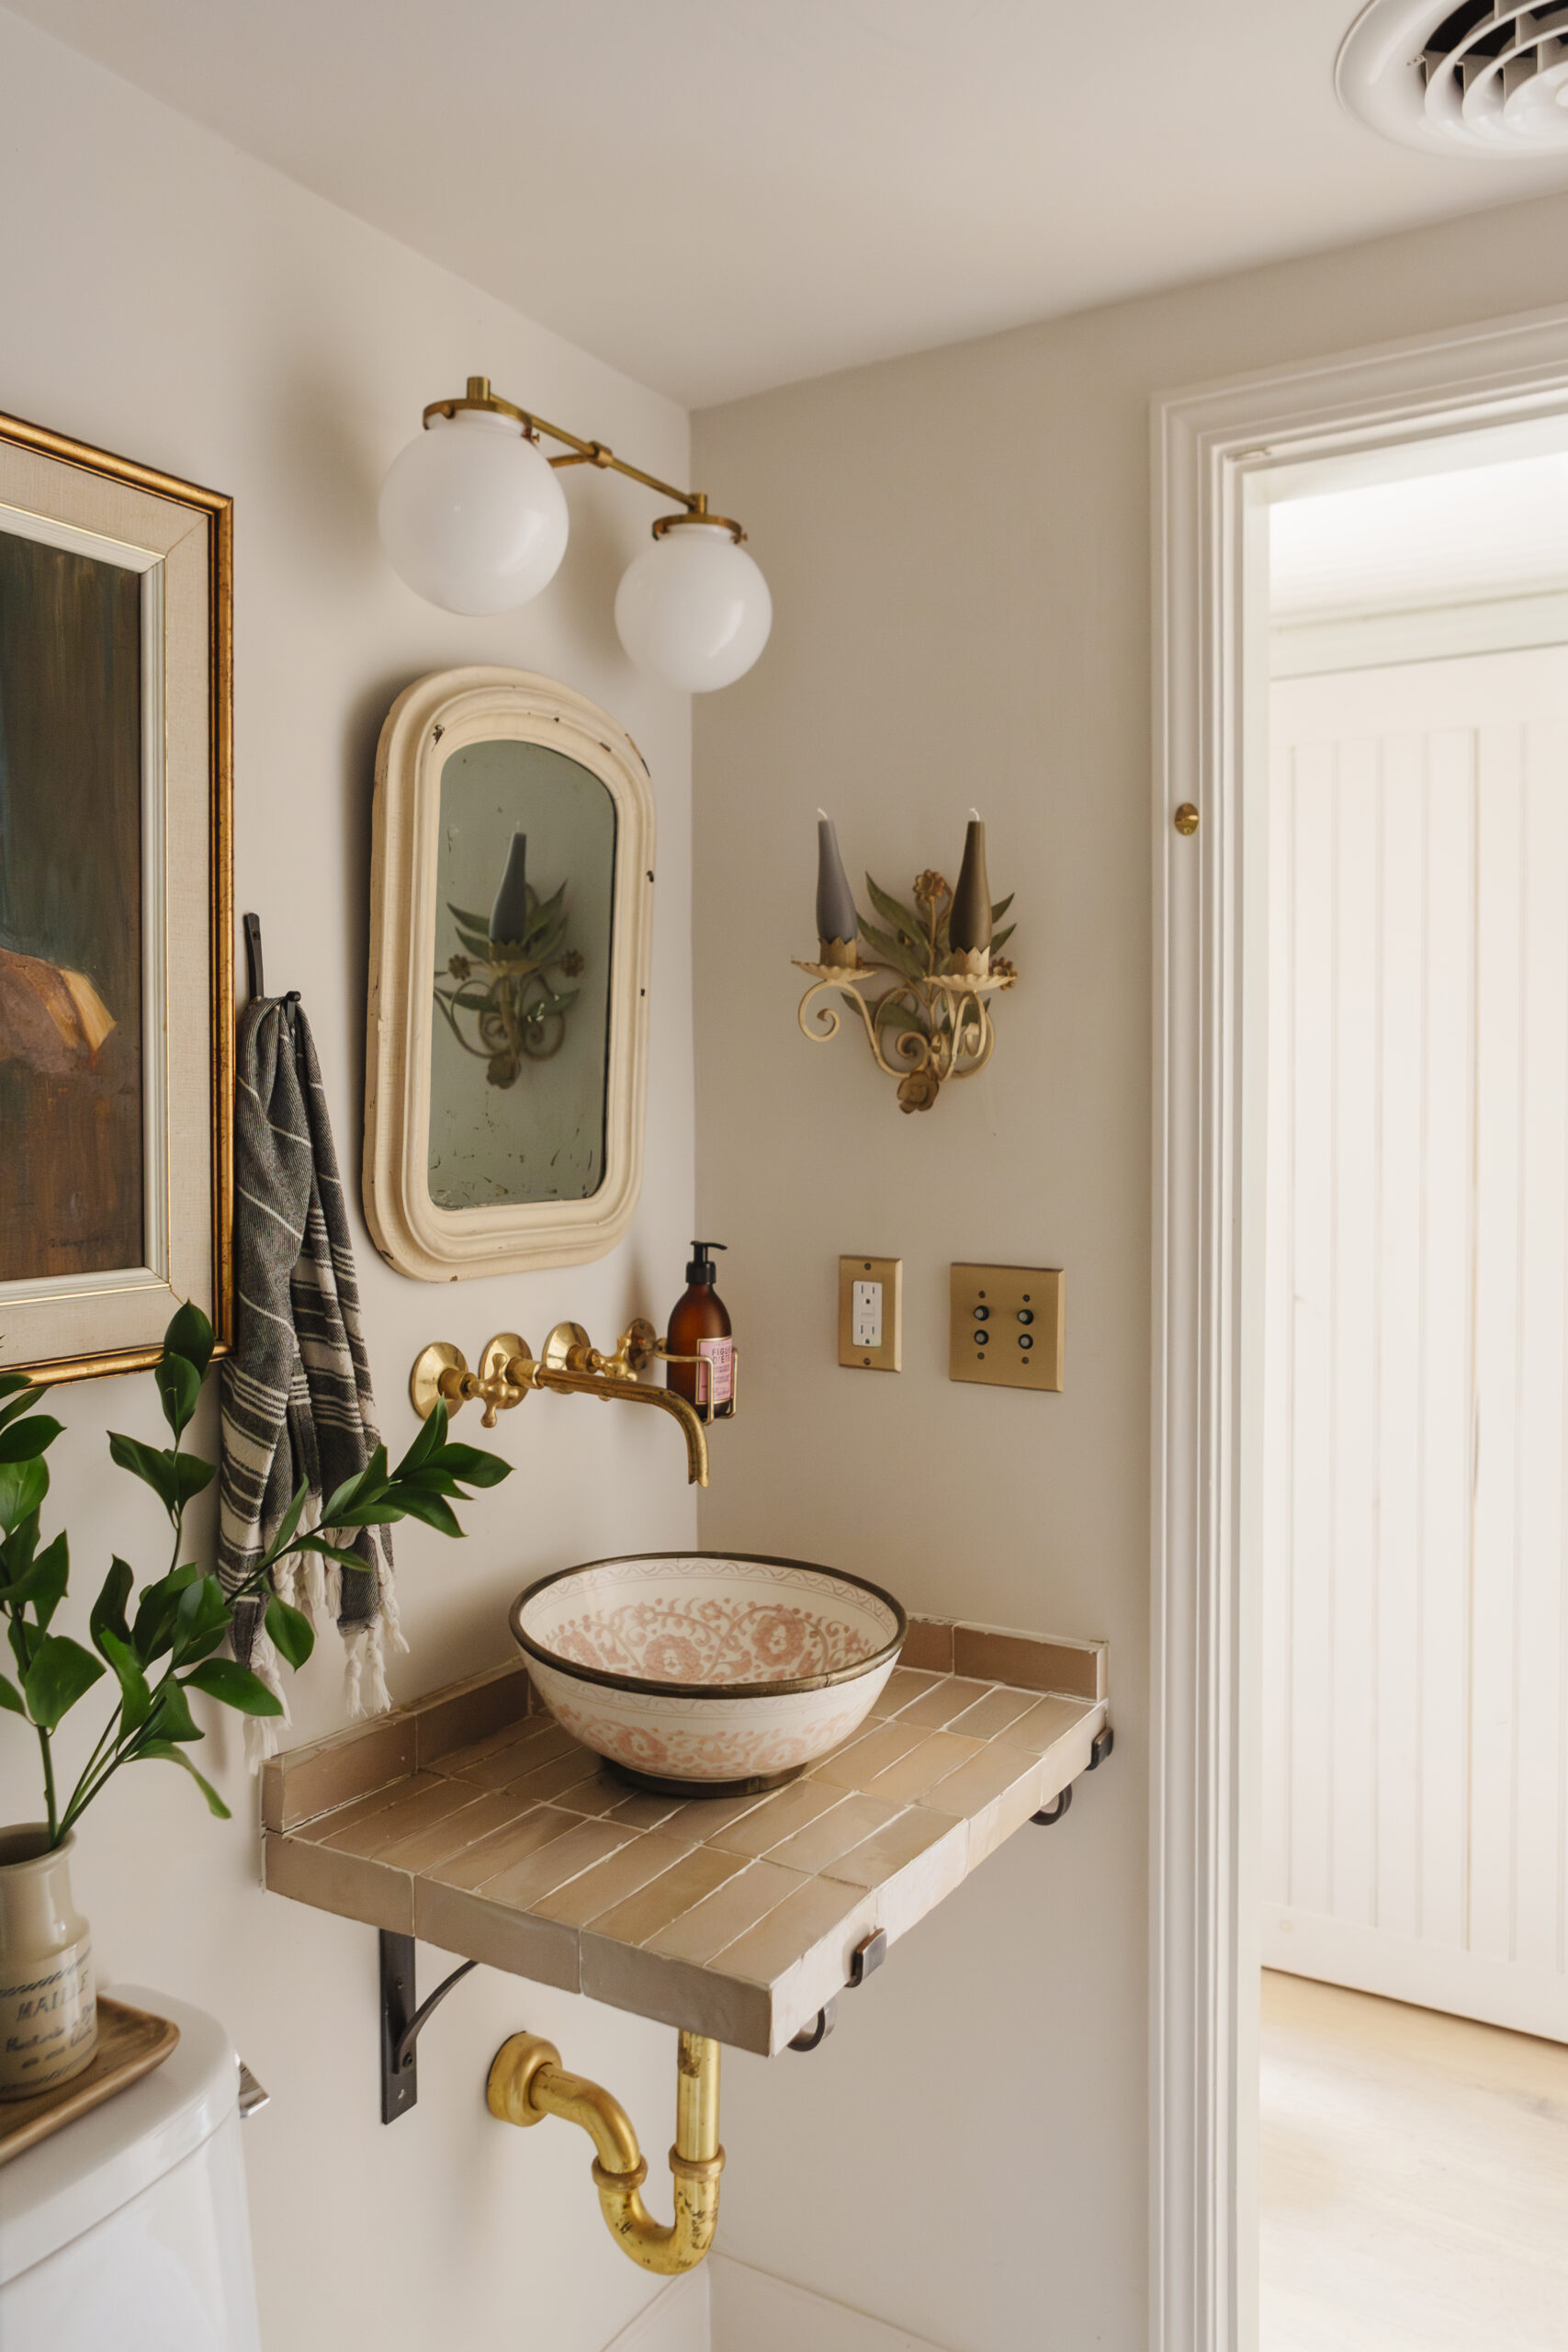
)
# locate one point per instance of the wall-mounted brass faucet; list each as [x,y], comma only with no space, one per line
[571,1364]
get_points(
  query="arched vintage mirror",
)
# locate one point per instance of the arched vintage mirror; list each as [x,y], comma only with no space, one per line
[511,922]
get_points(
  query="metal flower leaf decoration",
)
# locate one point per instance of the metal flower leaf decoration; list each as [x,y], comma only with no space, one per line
[512,994]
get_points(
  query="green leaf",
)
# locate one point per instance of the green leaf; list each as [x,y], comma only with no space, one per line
[153,1630]
[190,1336]
[12,1382]
[10,1697]
[171,1717]
[179,1385]
[432,1511]
[233,1685]
[903,959]
[136,1699]
[433,1434]
[892,1015]
[894,911]
[293,1636]
[29,1396]
[1000,939]
[471,1463]
[365,1484]
[201,1612]
[61,1671]
[466,914]
[999,910]
[326,1549]
[43,1587]
[544,918]
[192,1475]
[108,1610]
[154,1467]
[160,1751]
[23,1486]
[285,1527]
[26,1438]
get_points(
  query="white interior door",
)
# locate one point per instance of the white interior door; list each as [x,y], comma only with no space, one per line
[1415,1801]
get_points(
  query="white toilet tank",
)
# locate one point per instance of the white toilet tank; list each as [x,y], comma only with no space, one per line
[126,2229]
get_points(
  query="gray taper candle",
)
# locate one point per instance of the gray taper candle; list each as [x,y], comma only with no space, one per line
[969,925]
[836,917]
[508,916]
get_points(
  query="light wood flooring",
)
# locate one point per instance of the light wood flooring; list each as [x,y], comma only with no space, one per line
[1415,2179]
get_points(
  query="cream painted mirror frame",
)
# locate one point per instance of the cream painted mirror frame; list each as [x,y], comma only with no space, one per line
[430,720]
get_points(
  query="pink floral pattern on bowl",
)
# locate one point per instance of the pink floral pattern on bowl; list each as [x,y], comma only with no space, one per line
[689,1667]
[725,1639]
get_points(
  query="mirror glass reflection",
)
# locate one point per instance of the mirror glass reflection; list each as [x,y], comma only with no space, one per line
[519,1057]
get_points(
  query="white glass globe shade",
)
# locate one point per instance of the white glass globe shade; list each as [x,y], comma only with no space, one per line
[694,609]
[471,514]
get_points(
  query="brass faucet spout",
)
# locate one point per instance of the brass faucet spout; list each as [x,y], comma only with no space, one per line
[629,1392]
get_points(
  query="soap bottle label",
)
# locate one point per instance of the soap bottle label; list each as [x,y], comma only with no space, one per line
[720,1356]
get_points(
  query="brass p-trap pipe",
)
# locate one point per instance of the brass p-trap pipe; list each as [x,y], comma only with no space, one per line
[528,2082]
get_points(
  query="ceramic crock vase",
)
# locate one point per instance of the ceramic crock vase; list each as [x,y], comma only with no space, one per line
[48,2013]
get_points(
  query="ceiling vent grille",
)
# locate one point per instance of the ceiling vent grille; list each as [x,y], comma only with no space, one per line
[1486,78]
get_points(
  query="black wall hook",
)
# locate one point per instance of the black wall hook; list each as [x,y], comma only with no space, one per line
[252,926]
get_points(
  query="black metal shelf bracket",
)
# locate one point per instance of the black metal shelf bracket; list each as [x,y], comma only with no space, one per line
[402,2022]
[1099,1748]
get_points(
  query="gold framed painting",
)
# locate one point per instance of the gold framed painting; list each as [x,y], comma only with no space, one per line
[116,905]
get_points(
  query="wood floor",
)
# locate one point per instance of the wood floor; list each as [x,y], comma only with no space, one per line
[1415,2179]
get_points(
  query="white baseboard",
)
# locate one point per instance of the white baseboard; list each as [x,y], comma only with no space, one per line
[1403,1968]
[676,2320]
[753,2312]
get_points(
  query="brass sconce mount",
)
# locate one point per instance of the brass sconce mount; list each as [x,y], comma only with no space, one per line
[920,1002]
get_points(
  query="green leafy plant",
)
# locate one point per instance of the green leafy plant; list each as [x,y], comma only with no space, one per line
[519,1011]
[167,1647]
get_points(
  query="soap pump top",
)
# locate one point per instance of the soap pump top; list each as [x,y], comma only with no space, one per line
[700,1327]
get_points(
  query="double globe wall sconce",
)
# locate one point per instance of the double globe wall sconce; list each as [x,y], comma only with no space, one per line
[474,520]
[923,994]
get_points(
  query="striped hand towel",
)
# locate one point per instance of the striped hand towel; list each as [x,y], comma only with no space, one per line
[295,1396]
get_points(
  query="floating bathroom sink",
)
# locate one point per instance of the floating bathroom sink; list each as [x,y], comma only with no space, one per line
[707,1673]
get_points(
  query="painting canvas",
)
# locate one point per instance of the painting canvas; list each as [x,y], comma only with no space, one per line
[116,905]
[72,1062]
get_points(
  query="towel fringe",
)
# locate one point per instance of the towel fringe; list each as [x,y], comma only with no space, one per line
[263,1732]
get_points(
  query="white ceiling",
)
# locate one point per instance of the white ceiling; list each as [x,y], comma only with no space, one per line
[721,195]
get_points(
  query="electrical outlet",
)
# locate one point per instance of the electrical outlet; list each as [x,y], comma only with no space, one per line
[870,1314]
[1008,1327]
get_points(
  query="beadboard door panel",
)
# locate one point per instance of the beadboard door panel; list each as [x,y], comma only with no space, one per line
[1415,1751]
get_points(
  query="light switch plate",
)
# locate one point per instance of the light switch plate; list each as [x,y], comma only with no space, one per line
[1008,1323]
[871,1301]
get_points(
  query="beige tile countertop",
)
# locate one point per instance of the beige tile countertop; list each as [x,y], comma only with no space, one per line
[473,1820]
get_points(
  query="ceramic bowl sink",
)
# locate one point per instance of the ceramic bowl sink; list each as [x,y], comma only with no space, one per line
[707,1673]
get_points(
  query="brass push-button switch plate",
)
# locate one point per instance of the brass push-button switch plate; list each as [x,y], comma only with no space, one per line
[1009,1324]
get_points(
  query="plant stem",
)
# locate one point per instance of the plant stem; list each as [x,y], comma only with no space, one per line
[47,1753]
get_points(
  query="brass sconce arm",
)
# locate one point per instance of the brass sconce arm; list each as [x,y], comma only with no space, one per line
[571,1364]
[528,2082]
[587,453]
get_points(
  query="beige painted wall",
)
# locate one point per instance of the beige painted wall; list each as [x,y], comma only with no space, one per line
[958,547]
[162,296]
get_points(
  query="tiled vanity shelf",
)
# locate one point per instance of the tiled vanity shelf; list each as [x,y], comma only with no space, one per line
[473,1820]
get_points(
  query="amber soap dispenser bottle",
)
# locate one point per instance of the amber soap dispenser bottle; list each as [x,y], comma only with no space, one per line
[700,1326]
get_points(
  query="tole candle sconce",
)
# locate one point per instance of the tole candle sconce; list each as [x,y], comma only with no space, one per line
[939,963]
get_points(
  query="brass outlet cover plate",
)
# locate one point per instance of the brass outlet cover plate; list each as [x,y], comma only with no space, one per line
[888,1354]
[1011,1305]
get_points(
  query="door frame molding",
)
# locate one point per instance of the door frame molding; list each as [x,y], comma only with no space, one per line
[1207,444]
